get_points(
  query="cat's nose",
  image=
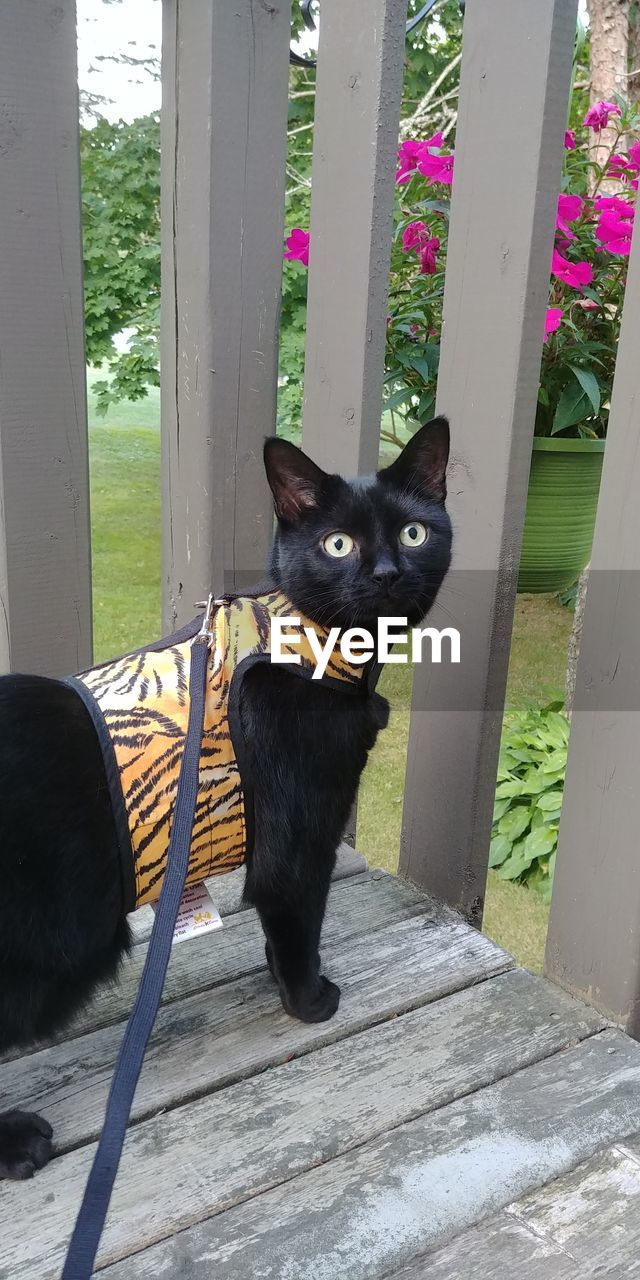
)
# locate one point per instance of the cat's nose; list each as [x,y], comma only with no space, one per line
[385,573]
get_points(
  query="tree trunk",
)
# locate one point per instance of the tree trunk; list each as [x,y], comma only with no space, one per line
[609,41]
[634,54]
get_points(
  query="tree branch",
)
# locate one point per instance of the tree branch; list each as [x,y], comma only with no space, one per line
[407,125]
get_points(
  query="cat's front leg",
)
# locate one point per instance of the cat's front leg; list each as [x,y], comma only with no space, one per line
[25,1144]
[292,923]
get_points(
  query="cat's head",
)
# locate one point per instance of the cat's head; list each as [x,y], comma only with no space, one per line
[348,552]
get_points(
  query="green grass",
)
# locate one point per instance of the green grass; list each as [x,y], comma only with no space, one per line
[125,503]
[125,495]
[129,413]
[124,457]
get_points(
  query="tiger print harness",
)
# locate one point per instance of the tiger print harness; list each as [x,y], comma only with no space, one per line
[139,705]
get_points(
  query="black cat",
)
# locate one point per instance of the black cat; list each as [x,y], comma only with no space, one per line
[346,553]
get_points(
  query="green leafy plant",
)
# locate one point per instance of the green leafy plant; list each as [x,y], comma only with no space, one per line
[429,98]
[121,231]
[589,273]
[594,224]
[528,800]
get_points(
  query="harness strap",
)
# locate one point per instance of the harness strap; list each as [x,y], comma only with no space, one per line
[95,1203]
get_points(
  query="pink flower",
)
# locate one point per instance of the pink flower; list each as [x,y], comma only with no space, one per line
[618,165]
[598,115]
[615,233]
[414,236]
[623,168]
[634,155]
[614,204]
[576,274]
[436,167]
[569,140]
[552,320]
[569,209]
[410,152]
[298,246]
[631,165]
[428,262]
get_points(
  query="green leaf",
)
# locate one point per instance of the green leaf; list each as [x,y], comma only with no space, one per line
[572,407]
[589,384]
[550,802]
[534,782]
[435,206]
[421,366]
[552,779]
[556,705]
[523,755]
[515,865]
[508,790]
[426,406]
[540,843]
[499,809]
[553,816]
[556,761]
[399,397]
[560,724]
[593,294]
[515,822]
[499,849]
[431,353]
[539,881]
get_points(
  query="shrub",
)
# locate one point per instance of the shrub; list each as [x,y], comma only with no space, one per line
[594,223]
[528,799]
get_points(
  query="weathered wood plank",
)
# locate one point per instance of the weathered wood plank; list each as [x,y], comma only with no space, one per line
[585,1223]
[45,569]
[592,1213]
[365,1213]
[357,117]
[224,123]
[359,905]
[213,1038]
[593,947]
[375,901]
[501,237]
[496,1250]
[268,1129]
[226,891]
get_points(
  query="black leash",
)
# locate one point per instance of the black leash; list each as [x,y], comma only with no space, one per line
[95,1202]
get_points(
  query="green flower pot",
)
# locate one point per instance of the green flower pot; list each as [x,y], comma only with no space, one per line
[564,483]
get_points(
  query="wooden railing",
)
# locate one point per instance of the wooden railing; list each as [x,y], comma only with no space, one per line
[223,176]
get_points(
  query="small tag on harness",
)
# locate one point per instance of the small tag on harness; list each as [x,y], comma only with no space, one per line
[197,914]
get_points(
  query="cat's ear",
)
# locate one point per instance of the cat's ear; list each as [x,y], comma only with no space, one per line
[422,465]
[296,483]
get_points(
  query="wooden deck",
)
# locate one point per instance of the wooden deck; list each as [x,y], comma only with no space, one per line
[458,1116]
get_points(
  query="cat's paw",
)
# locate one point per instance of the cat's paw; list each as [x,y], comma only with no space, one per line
[315,1006]
[25,1144]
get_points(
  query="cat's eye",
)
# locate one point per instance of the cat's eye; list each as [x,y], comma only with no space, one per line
[338,545]
[414,534]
